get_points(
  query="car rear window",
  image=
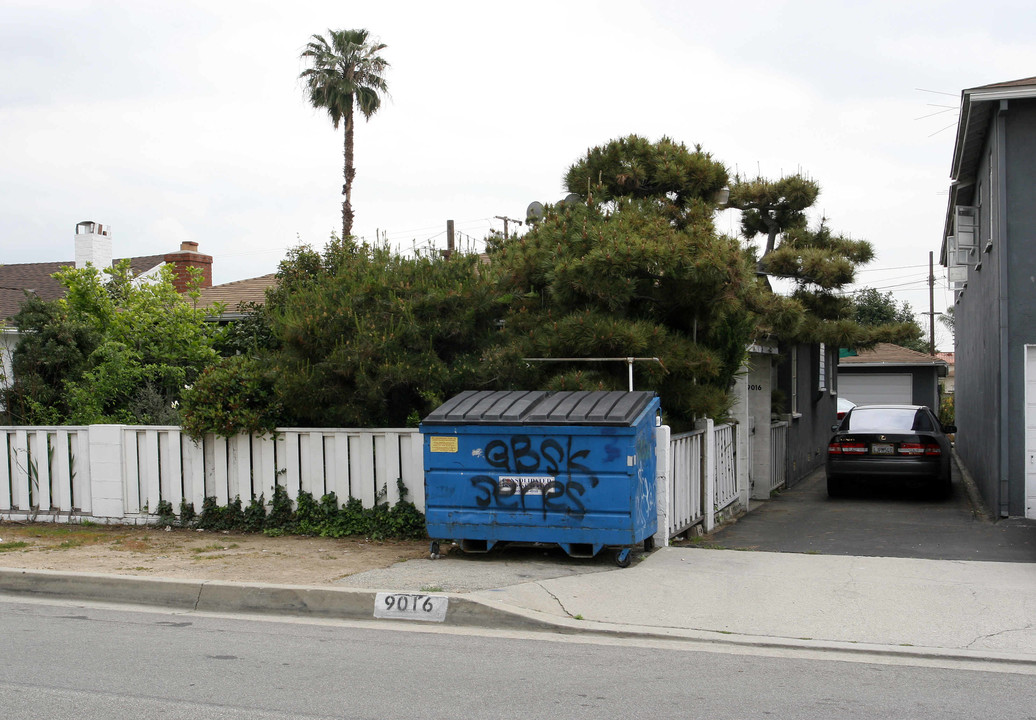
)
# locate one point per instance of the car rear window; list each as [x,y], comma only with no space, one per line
[884,419]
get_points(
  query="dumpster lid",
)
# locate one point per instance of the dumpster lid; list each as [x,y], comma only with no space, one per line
[539,407]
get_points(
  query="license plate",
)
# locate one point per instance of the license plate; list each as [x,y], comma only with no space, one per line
[410,606]
[883,449]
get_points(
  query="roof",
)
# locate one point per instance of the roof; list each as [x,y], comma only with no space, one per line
[232,294]
[36,278]
[889,354]
[976,108]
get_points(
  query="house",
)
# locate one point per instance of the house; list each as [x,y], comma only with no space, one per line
[93,244]
[987,248]
[892,374]
[785,399]
[808,385]
[233,295]
[947,382]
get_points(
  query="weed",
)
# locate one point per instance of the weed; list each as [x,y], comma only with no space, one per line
[215,547]
[13,545]
[431,588]
[578,616]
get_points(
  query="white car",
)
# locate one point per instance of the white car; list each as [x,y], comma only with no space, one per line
[844,406]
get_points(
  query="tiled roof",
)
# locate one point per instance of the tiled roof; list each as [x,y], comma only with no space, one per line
[889,354]
[232,294]
[1010,83]
[36,278]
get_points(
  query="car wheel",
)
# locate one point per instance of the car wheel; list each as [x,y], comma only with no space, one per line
[835,487]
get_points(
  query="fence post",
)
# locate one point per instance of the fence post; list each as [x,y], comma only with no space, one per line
[744,487]
[663,489]
[106,474]
[708,454]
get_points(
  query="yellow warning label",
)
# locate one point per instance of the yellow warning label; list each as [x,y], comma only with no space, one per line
[438,443]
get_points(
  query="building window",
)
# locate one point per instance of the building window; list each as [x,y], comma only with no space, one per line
[794,381]
[822,375]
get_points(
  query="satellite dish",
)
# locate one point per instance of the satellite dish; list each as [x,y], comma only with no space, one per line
[572,199]
[534,213]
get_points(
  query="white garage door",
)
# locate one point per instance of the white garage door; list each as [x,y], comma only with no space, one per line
[876,388]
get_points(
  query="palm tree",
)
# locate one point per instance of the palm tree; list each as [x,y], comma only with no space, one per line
[343,73]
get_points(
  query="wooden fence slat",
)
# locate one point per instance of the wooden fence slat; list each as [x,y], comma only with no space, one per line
[292,476]
[266,452]
[386,457]
[62,472]
[192,453]
[5,470]
[41,462]
[361,469]
[241,468]
[337,470]
[151,471]
[221,482]
[412,470]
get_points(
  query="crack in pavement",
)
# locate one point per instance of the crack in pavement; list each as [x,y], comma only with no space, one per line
[1027,626]
[556,599]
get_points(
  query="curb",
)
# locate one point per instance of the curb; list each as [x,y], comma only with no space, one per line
[217,596]
[978,505]
[214,596]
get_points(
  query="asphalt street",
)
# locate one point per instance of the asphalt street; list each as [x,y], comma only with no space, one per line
[67,662]
[882,521]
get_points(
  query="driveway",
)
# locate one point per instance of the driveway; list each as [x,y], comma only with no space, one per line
[877,523]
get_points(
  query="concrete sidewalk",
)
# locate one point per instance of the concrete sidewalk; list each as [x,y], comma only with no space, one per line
[927,608]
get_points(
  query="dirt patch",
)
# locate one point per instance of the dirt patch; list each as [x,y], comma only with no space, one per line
[200,555]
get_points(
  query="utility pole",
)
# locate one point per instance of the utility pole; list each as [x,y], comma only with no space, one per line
[449,238]
[931,303]
[506,220]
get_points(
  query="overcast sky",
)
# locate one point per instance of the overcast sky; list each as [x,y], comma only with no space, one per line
[185,120]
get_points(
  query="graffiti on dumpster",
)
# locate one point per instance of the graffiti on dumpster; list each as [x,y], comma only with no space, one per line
[539,476]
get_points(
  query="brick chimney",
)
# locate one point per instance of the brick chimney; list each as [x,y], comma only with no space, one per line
[189,257]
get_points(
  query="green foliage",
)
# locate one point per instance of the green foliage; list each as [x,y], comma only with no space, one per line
[345,72]
[636,271]
[166,516]
[368,337]
[324,517]
[947,411]
[817,261]
[110,351]
[664,173]
[249,334]
[874,309]
[188,516]
[235,395]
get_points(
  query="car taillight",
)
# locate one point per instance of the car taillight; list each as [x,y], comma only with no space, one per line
[919,449]
[841,414]
[837,448]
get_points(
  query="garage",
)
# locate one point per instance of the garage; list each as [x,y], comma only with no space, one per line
[877,388]
[890,374]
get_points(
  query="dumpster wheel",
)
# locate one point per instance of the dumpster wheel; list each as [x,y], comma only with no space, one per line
[433,550]
[622,557]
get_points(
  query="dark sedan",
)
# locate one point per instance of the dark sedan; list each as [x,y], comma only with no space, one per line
[898,442]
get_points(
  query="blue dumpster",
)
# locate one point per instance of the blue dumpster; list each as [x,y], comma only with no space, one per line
[572,468]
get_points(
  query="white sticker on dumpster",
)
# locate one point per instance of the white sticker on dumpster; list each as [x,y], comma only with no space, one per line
[525,484]
[410,606]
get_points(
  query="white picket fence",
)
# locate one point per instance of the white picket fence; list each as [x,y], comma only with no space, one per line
[698,477]
[778,454]
[120,474]
[117,473]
